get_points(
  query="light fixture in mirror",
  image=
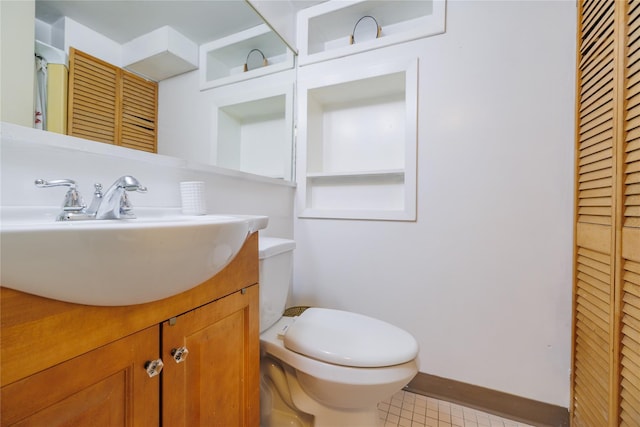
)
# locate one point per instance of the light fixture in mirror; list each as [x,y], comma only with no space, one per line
[366,28]
[255,59]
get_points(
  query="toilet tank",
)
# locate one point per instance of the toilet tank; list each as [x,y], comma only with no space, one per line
[276,268]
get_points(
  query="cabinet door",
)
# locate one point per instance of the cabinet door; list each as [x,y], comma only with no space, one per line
[111,105]
[93,103]
[105,387]
[139,113]
[218,383]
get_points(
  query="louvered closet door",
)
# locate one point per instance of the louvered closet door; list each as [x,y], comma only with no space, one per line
[139,113]
[93,101]
[629,410]
[594,281]
[111,105]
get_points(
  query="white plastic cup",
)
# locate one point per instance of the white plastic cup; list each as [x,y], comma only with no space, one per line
[193,200]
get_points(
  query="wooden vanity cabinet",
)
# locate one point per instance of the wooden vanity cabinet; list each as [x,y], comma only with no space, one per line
[104,387]
[68,364]
[215,385]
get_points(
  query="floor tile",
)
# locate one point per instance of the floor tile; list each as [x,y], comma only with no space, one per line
[406,409]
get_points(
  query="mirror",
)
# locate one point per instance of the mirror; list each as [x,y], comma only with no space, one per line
[194,124]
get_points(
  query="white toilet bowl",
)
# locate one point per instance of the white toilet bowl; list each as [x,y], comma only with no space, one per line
[335,395]
[330,368]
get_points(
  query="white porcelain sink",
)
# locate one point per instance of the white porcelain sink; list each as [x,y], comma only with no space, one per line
[116,262]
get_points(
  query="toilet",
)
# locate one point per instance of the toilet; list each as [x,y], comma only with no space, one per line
[325,367]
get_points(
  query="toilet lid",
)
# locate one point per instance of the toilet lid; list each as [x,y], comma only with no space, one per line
[349,339]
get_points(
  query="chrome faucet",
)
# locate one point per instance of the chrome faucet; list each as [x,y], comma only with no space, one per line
[113,204]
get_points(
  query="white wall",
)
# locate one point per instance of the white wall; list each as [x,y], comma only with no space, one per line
[16,57]
[483,277]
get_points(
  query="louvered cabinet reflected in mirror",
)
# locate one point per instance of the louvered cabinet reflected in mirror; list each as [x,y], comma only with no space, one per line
[111,105]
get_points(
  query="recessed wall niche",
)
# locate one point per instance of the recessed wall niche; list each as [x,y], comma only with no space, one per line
[324,30]
[254,134]
[222,61]
[357,143]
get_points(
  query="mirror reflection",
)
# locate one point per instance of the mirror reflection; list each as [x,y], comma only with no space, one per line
[209,109]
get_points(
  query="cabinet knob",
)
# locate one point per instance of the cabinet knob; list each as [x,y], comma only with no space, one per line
[153,367]
[179,354]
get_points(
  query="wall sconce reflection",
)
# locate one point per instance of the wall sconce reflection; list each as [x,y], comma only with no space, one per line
[366,30]
[251,63]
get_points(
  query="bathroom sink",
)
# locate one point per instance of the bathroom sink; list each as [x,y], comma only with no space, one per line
[116,262]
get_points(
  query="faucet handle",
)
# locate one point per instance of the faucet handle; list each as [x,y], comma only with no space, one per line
[73,201]
[130,183]
[41,183]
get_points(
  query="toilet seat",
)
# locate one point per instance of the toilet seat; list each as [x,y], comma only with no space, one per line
[349,339]
[271,342]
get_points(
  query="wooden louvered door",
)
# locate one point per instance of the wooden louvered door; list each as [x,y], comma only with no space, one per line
[111,105]
[93,98]
[606,347]
[139,113]
[629,176]
[594,270]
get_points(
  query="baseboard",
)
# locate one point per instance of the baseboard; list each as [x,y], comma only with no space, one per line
[494,402]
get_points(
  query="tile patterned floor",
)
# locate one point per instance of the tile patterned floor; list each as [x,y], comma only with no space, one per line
[407,409]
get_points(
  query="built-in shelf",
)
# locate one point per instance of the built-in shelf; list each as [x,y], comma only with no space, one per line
[160,54]
[324,30]
[222,61]
[254,131]
[357,141]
